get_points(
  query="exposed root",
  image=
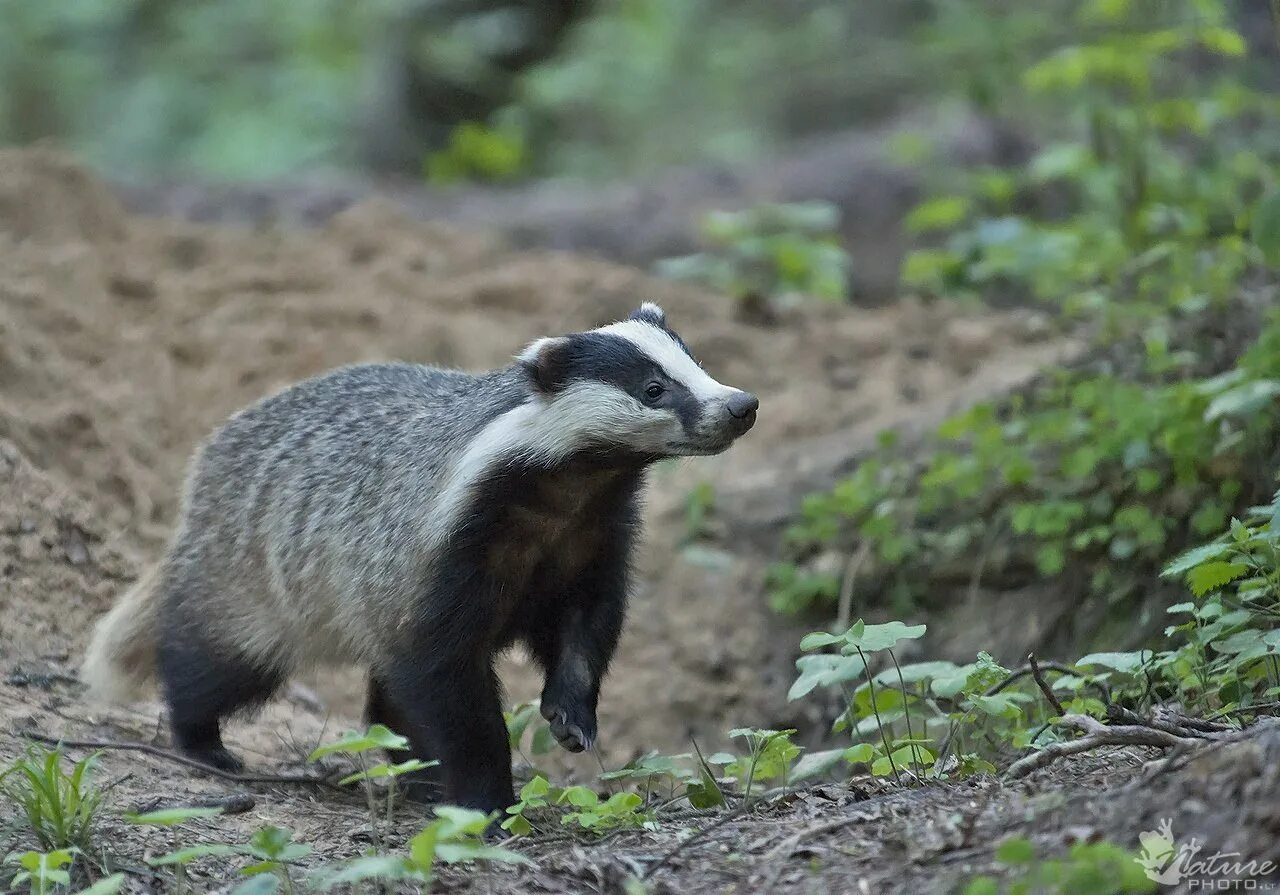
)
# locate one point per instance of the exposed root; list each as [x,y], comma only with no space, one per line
[1165,729]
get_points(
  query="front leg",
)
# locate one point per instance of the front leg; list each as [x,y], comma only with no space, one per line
[575,647]
[451,708]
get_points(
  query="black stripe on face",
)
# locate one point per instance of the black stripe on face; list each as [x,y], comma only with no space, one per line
[619,362]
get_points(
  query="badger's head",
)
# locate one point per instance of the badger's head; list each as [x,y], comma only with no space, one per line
[633,386]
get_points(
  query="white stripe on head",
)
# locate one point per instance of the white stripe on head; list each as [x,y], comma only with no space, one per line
[662,349]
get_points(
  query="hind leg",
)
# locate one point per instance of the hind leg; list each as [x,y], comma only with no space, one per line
[202,685]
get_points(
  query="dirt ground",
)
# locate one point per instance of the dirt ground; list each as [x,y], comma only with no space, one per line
[124,339]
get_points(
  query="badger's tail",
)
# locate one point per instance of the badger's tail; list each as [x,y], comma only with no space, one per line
[121,658]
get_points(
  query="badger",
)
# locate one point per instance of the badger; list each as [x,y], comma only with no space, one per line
[419,521]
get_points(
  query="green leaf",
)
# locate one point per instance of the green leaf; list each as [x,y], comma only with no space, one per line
[1001,705]
[457,852]
[1194,557]
[872,638]
[461,821]
[108,886]
[373,867]
[705,792]
[260,884]
[862,753]
[189,854]
[1243,400]
[353,742]
[1211,576]
[535,788]
[171,817]
[1128,663]
[543,742]
[819,639]
[422,847]
[579,797]
[388,770]
[815,764]
[823,670]
[983,885]
[940,213]
[1017,850]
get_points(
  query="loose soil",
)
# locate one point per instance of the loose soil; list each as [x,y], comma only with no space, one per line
[124,339]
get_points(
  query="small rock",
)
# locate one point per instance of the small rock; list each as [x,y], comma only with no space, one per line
[1032,326]
[130,286]
[968,342]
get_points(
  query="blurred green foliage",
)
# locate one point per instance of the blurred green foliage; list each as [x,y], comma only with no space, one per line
[260,89]
[232,88]
[1151,218]
[769,250]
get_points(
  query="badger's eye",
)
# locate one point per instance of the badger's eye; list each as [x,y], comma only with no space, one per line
[653,391]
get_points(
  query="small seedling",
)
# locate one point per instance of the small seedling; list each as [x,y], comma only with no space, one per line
[455,836]
[42,872]
[588,811]
[771,757]
[357,745]
[180,857]
[1088,867]
[60,808]
[272,849]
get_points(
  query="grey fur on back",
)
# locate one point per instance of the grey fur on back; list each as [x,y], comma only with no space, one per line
[310,515]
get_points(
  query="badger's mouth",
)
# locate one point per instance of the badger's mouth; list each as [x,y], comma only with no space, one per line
[701,448]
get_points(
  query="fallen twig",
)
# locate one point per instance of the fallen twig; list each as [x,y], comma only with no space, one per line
[1044,685]
[156,751]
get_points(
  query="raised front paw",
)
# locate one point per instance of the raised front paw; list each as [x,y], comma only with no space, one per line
[573,725]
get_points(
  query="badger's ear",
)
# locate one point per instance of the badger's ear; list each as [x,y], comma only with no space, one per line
[650,313]
[546,362]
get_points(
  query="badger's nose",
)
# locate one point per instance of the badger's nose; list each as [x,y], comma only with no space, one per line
[742,407]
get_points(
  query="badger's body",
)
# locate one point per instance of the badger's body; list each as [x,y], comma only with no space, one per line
[418,521]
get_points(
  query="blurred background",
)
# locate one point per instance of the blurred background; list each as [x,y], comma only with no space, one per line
[448,90]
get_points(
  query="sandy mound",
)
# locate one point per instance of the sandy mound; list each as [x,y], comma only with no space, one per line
[123,340]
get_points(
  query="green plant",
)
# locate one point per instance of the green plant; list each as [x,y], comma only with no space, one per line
[771,758]
[42,872]
[60,808]
[357,745]
[455,836]
[1096,867]
[479,152]
[1224,645]
[768,251]
[180,857]
[271,848]
[519,720]
[587,810]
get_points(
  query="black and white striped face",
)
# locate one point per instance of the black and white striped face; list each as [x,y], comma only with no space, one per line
[634,385]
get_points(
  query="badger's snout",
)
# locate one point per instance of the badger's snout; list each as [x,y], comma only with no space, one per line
[741,408]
